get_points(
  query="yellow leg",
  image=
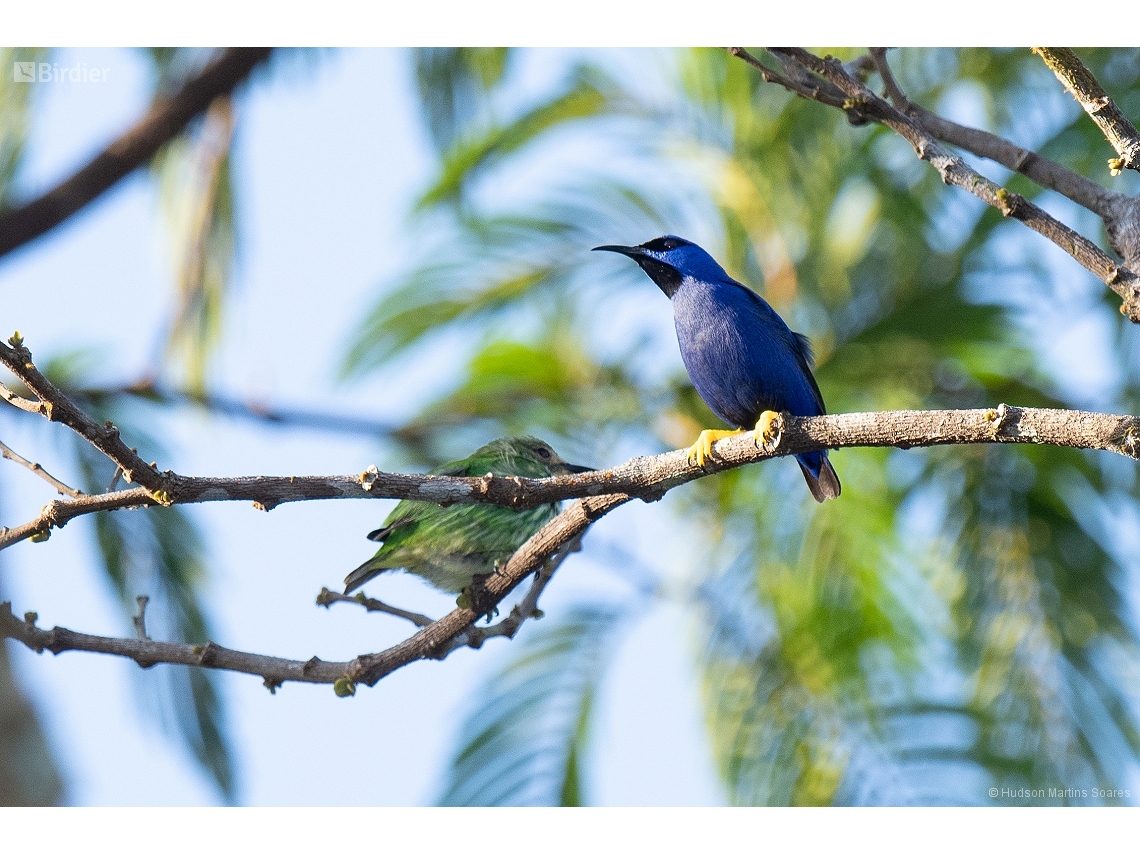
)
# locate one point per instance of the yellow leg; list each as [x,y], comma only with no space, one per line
[768,429]
[702,448]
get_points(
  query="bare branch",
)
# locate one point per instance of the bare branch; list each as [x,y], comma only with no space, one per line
[646,478]
[1084,87]
[56,407]
[527,608]
[1047,173]
[21,402]
[166,119]
[806,86]
[62,488]
[433,641]
[326,598]
[955,171]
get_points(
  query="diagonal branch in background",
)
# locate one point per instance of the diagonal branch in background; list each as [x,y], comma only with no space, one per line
[1084,87]
[249,409]
[541,554]
[1088,194]
[865,104]
[166,120]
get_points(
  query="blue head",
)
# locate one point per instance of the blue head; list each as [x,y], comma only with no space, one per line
[670,259]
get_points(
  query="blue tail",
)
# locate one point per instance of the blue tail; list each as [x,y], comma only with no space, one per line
[820,475]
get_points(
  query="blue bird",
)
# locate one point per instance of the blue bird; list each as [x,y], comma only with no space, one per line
[744,361]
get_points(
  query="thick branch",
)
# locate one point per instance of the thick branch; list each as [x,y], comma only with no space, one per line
[1078,80]
[646,478]
[955,171]
[166,119]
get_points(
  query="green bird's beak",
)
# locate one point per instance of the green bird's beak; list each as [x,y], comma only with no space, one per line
[569,469]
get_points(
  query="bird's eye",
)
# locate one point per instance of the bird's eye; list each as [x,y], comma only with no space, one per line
[543,453]
[670,244]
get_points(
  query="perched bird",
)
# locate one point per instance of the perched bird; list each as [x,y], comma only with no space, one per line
[450,546]
[743,360]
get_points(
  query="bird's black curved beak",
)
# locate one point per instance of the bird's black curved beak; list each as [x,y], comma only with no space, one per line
[631,251]
[662,273]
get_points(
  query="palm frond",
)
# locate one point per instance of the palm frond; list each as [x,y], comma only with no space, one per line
[524,741]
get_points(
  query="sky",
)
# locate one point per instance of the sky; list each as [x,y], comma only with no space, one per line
[329,156]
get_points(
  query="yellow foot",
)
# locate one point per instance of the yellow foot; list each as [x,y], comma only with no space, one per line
[702,448]
[768,429]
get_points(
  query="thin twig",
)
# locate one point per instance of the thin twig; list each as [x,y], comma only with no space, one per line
[251,410]
[1084,87]
[57,407]
[894,91]
[526,608]
[326,598]
[60,487]
[139,620]
[21,402]
[815,90]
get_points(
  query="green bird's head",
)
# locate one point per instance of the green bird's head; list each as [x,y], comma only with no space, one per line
[523,456]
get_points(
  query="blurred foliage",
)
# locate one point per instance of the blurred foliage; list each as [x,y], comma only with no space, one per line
[524,743]
[15,112]
[196,190]
[194,181]
[956,620]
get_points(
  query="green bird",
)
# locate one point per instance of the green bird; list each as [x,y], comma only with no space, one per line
[450,546]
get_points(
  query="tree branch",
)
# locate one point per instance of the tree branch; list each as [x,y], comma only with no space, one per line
[60,487]
[1084,87]
[166,120]
[434,641]
[1047,173]
[326,598]
[955,171]
[57,407]
[646,478]
[251,410]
